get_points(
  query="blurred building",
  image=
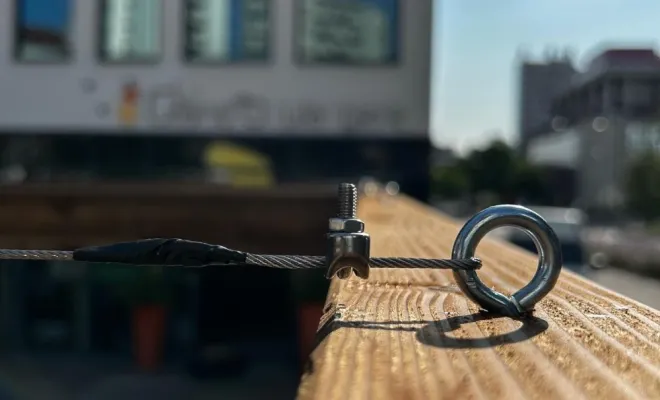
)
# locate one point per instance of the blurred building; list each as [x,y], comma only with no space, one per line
[540,83]
[223,92]
[610,113]
[327,91]
[443,156]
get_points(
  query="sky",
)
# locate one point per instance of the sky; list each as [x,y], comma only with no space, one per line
[474,87]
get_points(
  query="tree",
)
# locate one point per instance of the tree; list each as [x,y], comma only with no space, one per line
[497,171]
[643,186]
[494,169]
[450,182]
[530,183]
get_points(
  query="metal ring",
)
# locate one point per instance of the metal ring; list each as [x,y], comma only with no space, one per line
[547,245]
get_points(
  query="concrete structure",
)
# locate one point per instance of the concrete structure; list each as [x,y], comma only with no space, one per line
[540,83]
[613,113]
[306,83]
[385,93]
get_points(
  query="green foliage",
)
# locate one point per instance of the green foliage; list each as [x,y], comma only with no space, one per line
[493,170]
[497,170]
[643,187]
[530,183]
[450,182]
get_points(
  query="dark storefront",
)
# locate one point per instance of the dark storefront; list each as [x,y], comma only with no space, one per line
[70,309]
[78,157]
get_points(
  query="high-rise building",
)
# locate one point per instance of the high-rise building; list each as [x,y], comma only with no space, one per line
[611,114]
[540,84]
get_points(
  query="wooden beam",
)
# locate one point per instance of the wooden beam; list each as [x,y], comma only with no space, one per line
[411,334]
[67,216]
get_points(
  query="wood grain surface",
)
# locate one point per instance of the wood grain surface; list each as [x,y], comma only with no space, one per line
[411,334]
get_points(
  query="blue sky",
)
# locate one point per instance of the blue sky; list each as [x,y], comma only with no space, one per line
[475,46]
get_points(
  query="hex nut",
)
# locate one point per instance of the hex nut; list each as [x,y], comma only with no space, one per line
[346,225]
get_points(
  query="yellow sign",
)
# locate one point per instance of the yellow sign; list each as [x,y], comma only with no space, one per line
[240,166]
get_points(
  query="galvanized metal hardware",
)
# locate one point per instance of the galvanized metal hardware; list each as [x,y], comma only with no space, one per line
[348,249]
[348,244]
[547,272]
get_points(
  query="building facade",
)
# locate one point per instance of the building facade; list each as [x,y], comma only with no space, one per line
[172,76]
[612,112]
[540,84]
[135,90]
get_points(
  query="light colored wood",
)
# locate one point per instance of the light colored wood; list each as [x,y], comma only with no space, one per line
[411,334]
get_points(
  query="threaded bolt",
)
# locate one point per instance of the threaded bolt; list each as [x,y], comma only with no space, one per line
[348,198]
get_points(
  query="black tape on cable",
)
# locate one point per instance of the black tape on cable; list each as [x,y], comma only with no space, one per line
[174,252]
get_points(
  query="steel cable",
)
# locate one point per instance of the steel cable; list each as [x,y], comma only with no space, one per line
[274,261]
[310,262]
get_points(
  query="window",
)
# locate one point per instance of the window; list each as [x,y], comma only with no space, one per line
[131,31]
[227,30]
[348,32]
[42,31]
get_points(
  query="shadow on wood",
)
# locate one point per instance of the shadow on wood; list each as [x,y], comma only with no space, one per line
[411,334]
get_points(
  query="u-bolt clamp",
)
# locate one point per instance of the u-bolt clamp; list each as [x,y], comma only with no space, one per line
[348,244]
[348,249]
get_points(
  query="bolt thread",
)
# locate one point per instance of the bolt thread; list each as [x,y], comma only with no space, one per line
[348,199]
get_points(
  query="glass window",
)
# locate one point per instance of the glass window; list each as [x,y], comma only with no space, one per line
[42,31]
[227,30]
[131,30]
[348,31]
